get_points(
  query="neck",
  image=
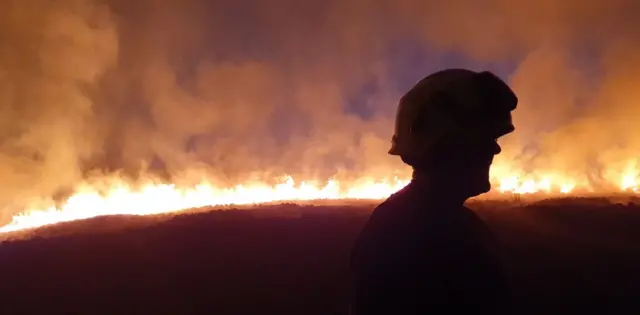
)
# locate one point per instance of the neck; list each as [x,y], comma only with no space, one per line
[449,185]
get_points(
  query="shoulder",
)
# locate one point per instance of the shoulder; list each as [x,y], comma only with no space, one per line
[395,206]
[475,222]
[383,230]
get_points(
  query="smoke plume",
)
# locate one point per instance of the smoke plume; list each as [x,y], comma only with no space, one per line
[237,89]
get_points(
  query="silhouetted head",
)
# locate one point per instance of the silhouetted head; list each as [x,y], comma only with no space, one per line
[448,124]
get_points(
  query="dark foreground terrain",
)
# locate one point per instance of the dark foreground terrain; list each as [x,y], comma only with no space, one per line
[564,256]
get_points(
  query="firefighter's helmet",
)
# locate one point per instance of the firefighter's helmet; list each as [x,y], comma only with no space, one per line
[450,100]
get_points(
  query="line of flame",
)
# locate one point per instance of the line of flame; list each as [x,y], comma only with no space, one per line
[121,197]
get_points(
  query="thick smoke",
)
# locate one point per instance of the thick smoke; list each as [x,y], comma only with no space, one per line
[237,89]
[52,54]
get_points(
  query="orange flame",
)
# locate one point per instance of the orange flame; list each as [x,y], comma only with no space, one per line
[118,196]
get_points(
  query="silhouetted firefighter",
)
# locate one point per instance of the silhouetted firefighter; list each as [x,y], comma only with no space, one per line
[422,251]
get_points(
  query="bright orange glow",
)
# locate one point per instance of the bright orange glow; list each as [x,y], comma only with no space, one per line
[112,196]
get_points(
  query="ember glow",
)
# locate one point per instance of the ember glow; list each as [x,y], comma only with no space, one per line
[114,196]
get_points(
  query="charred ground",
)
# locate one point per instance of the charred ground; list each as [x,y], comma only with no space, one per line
[290,259]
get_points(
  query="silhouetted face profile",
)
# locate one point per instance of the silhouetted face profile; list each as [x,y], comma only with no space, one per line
[447,127]
[462,161]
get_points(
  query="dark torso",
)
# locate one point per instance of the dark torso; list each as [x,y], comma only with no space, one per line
[420,251]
